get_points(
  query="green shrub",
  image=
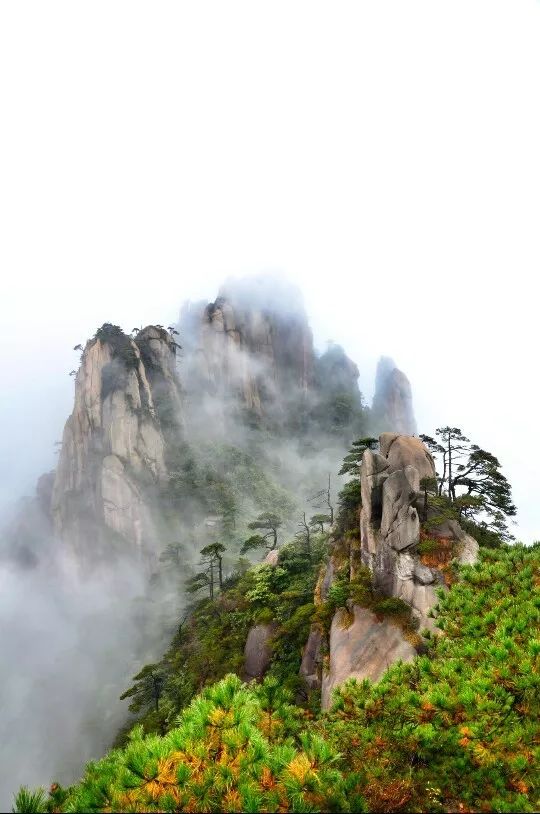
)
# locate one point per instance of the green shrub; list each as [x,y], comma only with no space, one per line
[427,546]
[30,802]
[391,606]
[338,593]
[458,730]
[231,750]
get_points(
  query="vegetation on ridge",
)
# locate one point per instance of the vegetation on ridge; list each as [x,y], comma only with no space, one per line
[455,730]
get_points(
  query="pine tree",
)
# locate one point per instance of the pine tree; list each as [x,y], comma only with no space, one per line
[472,482]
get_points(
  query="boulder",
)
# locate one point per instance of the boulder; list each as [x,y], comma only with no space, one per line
[467,550]
[423,574]
[365,649]
[406,450]
[258,651]
[272,557]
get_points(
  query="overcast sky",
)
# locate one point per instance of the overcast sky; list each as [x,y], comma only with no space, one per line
[384,155]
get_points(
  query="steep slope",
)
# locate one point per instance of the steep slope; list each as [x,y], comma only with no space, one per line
[112,460]
[457,730]
[249,357]
[151,471]
[251,349]
[389,544]
[392,409]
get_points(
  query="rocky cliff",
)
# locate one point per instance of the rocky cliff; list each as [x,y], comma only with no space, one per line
[248,362]
[249,356]
[112,459]
[251,349]
[390,545]
[392,408]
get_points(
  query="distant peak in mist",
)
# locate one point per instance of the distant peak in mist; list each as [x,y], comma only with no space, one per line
[269,292]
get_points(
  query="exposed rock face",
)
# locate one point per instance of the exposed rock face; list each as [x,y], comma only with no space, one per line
[392,409]
[374,472]
[272,558]
[251,349]
[249,357]
[113,448]
[258,652]
[365,649]
[389,535]
[403,450]
[312,665]
[388,544]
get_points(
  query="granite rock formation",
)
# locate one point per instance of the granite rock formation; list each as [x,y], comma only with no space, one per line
[392,408]
[258,651]
[250,350]
[390,532]
[249,358]
[127,397]
[390,524]
[363,649]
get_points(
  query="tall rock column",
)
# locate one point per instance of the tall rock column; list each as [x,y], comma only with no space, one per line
[112,458]
[392,409]
[364,646]
[250,352]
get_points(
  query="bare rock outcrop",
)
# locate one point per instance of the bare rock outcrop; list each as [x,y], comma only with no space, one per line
[389,545]
[249,351]
[272,558]
[363,649]
[311,667]
[389,536]
[400,451]
[258,651]
[113,449]
[392,408]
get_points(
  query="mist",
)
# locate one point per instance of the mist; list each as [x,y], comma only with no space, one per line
[69,647]
[384,157]
[72,639]
[76,629]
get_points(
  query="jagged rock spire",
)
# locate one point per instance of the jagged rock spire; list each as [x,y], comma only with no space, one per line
[251,349]
[392,409]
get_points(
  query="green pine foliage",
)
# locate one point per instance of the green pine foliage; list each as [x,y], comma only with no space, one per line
[458,729]
[210,642]
[30,802]
[223,480]
[235,748]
